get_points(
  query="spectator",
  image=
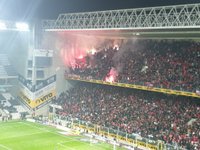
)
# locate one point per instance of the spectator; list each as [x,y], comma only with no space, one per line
[169,64]
[173,119]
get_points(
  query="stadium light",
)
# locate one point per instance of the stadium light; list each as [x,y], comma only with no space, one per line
[2,26]
[21,26]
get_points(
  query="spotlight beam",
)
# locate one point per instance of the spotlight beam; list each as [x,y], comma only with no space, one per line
[3,26]
[21,26]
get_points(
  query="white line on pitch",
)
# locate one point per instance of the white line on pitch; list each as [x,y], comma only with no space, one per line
[22,135]
[5,147]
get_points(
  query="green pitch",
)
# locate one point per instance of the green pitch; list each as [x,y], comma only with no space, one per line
[22,135]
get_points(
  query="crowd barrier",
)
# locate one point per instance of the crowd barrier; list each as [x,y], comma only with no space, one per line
[131,139]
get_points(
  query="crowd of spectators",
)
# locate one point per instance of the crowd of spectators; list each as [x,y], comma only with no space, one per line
[170,64]
[172,119]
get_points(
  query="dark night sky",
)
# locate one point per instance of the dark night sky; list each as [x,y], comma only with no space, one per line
[49,9]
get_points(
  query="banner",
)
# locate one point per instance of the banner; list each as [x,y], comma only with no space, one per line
[45,98]
[42,92]
[35,103]
[29,94]
[26,83]
[36,87]
[25,99]
[140,87]
[45,83]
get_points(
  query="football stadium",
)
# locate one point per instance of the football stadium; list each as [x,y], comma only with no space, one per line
[123,79]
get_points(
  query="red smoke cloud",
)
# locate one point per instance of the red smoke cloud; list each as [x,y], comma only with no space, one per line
[112,75]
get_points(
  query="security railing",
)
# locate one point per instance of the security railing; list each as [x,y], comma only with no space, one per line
[123,137]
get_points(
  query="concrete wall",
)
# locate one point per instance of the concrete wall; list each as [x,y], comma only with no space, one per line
[50,40]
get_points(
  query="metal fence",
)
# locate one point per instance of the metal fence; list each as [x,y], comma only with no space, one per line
[131,139]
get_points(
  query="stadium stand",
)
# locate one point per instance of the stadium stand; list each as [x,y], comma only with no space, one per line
[6,69]
[10,106]
[10,70]
[2,72]
[169,64]
[4,60]
[172,119]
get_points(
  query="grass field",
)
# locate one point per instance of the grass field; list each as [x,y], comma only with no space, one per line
[22,135]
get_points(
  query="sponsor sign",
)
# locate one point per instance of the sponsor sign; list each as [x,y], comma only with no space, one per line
[36,102]
[140,87]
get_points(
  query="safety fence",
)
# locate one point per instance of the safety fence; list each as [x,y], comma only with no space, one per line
[123,137]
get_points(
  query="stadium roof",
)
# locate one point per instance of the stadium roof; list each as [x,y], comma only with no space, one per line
[50,9]
[145,34]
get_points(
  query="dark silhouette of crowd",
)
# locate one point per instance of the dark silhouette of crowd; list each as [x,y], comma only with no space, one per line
[172,119]
[170,64]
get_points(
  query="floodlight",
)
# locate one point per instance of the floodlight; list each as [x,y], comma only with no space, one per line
[2,26]
[21,26]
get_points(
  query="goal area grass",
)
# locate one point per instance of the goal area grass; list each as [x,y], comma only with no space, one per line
[23,135]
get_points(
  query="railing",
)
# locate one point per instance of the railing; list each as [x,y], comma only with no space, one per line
[131,139]
[138,86]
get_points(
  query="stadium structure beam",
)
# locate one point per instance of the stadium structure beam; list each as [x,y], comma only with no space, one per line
[163,17]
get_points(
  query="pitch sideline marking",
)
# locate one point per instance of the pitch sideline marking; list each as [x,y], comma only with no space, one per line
[46,130]
[42,129]
[67,141]
[5,147]
[66,146]
[22,135]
